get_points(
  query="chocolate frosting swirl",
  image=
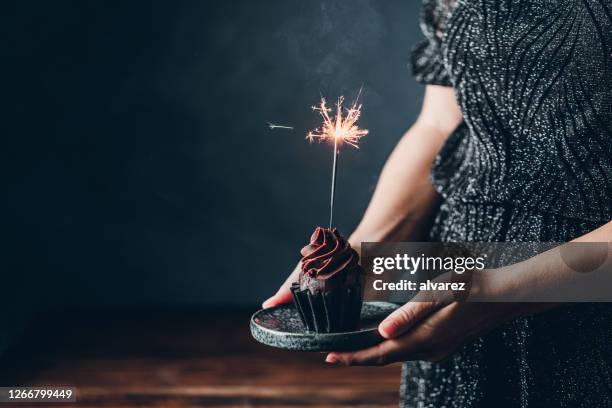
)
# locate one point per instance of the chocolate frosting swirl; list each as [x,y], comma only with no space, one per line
[328,262]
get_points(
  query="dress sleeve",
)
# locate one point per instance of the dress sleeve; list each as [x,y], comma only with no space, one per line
[427,62]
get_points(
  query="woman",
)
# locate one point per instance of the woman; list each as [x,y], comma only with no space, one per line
[517,118]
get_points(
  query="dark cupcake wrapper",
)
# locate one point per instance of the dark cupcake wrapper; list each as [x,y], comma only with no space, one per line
[334,311]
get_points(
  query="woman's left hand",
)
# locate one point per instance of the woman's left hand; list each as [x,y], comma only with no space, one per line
[433,330]
[417,331]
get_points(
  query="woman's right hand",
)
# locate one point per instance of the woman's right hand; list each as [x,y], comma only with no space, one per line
[283,295]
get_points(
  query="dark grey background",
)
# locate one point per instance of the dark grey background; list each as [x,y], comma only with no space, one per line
[141,169]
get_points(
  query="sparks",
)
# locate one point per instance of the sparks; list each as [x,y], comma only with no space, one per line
[340,128]
[273,126]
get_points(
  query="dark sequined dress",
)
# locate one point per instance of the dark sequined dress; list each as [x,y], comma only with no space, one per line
[531,162]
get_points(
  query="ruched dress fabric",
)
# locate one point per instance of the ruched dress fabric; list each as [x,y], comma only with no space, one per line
[532,162]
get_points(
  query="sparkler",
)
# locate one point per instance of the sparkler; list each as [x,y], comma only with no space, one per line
[339,129]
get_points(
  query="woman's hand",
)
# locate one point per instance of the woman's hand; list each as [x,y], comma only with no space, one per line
[417,331]
[431,329]
[283,295]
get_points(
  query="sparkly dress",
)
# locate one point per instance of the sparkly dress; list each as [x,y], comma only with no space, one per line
[531,162]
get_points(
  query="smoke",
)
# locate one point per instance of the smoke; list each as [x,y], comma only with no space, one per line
[330,41]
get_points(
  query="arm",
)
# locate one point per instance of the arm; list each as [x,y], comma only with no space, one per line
[432,331]
[404,195]
[534,278]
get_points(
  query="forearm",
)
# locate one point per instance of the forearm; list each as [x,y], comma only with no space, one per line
[601,234]
[572,272]
[404,195]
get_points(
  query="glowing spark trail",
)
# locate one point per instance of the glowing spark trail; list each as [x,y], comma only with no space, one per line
[340,129]
[274,126]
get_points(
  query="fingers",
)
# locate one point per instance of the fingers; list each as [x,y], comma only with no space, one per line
[408,347]
[377,355]
[421,343]
[404,318]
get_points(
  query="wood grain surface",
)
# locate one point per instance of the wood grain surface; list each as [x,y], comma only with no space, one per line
[181,358]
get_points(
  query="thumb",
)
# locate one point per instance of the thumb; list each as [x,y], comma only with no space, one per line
[281,297]
[421,306]
[404,318]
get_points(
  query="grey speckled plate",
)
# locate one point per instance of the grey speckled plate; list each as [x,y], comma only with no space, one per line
[281,327]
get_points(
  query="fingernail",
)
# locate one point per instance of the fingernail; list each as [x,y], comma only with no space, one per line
[267,303]
[387,327]
[331,359]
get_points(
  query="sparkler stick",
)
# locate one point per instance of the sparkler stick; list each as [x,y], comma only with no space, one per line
[340,129]
[333,183]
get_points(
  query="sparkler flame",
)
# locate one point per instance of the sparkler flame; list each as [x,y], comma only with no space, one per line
[340,128]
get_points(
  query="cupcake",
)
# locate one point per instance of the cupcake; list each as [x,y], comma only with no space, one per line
[328,295]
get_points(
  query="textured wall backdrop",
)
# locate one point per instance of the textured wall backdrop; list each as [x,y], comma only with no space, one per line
[144,171]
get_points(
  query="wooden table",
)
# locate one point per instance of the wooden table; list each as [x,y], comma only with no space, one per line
[207,358]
